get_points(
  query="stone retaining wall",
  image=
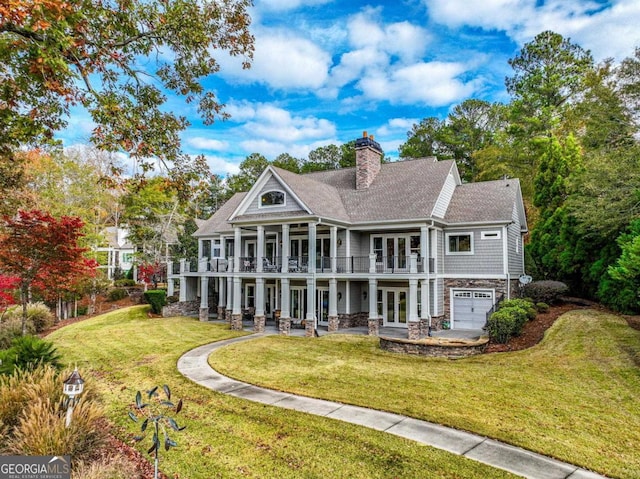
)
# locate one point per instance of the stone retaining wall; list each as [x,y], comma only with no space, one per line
[181,308]
[434,348]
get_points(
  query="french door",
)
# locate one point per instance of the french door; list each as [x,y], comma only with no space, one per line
[394,306]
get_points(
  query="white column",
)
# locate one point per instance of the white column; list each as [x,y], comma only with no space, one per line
[413,263]
[333,248]
[311,299]
[311,268]
[260,247]
[170,286]
[285,249]
[237,295]
[285,296]
[229,293]
[413,300]
[372,263]
[237,247]
[333,297]
[259,297]
[424,248]
[347,297]
[223,247]
[183,289]
[204,292]
[222,282]
[373,298]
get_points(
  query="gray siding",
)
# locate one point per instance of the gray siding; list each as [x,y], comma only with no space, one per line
[359,244]
[440,296]
[516,253]
[445,196]
[486,259]
[272,184]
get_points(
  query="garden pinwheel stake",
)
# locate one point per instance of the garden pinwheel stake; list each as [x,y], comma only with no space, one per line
[160,422]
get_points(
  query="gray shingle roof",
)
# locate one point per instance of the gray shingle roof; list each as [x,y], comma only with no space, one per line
[403,190]
[483,202]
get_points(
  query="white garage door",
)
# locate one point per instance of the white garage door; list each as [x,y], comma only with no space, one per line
[470,308]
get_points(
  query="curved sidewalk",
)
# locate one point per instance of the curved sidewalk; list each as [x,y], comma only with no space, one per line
[194,366]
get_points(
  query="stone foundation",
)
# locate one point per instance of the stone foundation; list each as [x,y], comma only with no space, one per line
[259,323]
[334,324]
[221,313]
[284,326]
[353,320]
[374,326]
[181,308]
[436,348]
[413,330]
[204,314]
[309,328]
[236,322]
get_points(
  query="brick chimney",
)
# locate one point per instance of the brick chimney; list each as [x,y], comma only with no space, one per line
[368,159]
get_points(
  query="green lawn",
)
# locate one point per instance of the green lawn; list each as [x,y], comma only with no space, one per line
[125,351]
[575,396]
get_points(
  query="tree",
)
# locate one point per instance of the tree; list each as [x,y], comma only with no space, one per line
[287,162]
[250,170]
[621,289]
[425,139]
[54,55]
[548,73]
[42,251]
[322,158]
[8,285]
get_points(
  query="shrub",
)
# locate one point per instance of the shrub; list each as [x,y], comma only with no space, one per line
[116,294]
[501,325]
[542,307]
[545,291]
[111,467]
[38,314]
[525,304]
[27,353]
[33,414]
[124,283]
[11,329]
[82,310]
[157,298]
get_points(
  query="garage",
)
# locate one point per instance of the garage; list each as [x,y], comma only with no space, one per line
[469,308]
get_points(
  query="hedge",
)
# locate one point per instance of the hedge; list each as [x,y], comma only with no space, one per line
[157,298]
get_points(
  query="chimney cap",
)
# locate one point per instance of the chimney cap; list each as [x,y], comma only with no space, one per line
[368,141]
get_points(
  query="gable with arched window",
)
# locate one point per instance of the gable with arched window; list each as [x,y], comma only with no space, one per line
[272,198]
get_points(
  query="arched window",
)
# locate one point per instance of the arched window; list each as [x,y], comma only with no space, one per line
[272,198]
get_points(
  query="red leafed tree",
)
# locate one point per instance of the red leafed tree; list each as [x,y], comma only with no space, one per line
[42,252]
[8,285]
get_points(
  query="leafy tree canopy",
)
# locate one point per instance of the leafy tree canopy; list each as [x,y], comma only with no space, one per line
[54,55]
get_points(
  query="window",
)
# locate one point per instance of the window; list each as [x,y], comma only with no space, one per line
[459,243]
[272,198]
[490,234]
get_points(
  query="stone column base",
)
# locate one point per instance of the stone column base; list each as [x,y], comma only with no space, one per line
[424,328]
[236,322]
[374,327]
[334,324]
[309,328]
[259,323]
[413,330]
[221,313]
[204,314]
[284,326]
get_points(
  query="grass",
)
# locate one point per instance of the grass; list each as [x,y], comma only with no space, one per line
[125,351]
[574,396]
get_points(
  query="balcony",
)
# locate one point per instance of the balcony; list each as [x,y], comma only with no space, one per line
[300,264]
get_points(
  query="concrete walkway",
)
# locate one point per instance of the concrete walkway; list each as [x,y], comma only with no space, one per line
[194,366]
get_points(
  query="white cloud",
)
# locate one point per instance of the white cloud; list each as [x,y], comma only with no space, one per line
[282,60]
[396,126]
[207,143]
[222,166]
[434,84]
[610,31]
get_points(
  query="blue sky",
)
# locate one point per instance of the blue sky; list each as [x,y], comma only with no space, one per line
[324,71]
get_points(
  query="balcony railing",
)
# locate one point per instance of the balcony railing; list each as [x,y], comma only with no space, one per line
[300,264]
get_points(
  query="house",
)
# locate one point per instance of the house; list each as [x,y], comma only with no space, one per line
[403,244]
[118,250]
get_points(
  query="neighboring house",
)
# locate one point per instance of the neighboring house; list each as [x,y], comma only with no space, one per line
[402,244]
[119,251]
